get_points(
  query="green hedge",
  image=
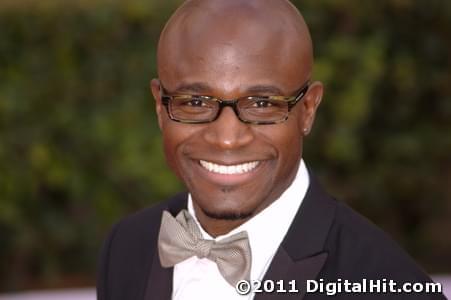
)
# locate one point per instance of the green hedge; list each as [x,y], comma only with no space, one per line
[80,147]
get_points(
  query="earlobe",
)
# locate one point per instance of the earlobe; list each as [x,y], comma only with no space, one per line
[155,89]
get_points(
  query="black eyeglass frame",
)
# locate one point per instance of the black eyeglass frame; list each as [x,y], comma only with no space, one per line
[292,101]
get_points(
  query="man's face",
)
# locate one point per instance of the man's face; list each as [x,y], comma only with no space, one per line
[266,157]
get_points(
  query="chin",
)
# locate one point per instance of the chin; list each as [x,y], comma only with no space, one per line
[227,215]
[227,206]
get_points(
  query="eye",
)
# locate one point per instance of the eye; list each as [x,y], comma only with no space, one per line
[195,101]
[262,103]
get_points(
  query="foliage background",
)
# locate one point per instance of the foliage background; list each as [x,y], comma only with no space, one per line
[80,148]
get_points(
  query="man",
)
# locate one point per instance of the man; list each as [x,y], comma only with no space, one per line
[235,100]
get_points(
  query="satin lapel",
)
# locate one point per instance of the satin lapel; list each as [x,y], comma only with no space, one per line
[159,282]
[301,254]
[285,269]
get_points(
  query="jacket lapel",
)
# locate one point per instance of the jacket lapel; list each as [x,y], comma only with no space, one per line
[159,282]
[294,274]
[301,254]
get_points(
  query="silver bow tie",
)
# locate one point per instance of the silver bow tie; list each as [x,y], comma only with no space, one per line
[180,239]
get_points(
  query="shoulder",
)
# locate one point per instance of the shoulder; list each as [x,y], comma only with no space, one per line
[358,248]
[143,225]
[128,250]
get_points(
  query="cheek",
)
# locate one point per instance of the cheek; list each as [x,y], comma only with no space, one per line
[176,136]
[169,152]
[173,139]
[293,134]
[289,156]
[286,138]
[290,151]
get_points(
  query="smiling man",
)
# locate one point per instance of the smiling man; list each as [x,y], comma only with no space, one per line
[235,101]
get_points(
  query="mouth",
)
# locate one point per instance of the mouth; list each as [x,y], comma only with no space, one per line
[229,169]
[230,174]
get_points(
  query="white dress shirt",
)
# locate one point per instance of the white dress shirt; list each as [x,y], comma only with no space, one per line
[200,279]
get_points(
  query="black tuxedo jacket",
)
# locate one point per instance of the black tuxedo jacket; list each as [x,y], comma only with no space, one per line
[327,240]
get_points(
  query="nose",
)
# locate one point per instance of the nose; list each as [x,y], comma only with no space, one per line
[228,132]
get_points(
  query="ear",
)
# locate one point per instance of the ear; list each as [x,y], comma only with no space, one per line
[310,104]
[155,87]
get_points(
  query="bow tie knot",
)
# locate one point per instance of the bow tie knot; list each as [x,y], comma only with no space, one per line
[203,248]
[180,238]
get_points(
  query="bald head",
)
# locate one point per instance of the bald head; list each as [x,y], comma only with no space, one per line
[225,35]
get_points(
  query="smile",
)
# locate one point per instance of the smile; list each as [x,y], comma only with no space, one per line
[229,170]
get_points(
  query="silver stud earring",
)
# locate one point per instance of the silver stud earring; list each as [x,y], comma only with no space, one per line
[305,130]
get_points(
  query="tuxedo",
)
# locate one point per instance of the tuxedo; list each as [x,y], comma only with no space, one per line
[327,240]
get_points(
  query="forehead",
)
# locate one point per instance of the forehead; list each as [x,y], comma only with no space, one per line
[232,54]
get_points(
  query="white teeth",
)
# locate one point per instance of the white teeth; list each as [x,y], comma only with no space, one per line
[230,170]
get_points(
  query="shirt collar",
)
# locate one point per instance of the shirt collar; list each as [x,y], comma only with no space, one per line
[267,229]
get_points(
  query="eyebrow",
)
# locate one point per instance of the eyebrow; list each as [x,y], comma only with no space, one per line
[197,87]
[200,87]
[264,89]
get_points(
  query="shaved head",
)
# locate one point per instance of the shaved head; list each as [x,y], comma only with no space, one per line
[231,29]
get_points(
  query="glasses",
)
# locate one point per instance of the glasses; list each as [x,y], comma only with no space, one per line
[259,110]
